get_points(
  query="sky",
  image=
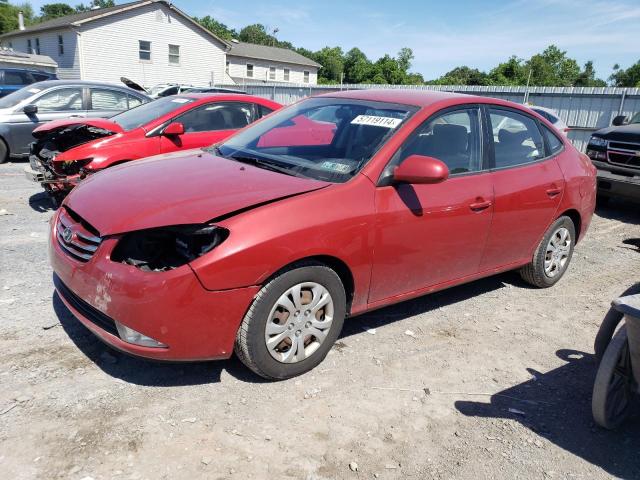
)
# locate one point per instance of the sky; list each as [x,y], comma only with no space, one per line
[443,34]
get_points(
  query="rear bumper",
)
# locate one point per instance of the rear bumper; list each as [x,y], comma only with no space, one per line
[171,307]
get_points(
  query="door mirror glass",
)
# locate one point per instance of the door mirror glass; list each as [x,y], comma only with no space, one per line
[174,129]
[619,120]
[418,169]
[30,109]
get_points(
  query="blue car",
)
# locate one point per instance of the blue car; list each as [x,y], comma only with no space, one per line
[12,79]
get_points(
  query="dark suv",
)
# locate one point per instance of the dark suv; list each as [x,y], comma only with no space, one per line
[615,151]
[12,79]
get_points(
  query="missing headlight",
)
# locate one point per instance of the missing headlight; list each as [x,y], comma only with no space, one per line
[166,248]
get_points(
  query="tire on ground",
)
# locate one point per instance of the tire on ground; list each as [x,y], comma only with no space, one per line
[250,345]
[534,273]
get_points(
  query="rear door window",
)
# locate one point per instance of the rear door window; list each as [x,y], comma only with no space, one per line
[516,138]
[16,78]
[106,99]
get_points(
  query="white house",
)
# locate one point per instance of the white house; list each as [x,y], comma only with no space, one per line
[148,41]
[247,63]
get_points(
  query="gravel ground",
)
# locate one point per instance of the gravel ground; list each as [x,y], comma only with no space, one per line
[490,379]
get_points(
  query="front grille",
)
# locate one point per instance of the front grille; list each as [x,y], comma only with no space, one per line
[76,237]
[624,153]
[624,158]
[89,312]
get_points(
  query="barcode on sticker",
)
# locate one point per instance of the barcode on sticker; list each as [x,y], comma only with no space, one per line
[375,121]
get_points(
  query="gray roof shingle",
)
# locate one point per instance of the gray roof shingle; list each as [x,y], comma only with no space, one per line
[82,17]
[274,54]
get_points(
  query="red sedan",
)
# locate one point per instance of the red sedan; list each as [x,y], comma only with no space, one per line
[263,248]
[66,151]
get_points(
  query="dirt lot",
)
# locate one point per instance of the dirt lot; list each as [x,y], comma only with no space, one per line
[435,404]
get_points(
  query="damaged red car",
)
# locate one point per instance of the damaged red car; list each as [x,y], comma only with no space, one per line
[67,151]
[265,243]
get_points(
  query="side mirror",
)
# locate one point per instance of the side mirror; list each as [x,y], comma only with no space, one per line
[173,129]
[30,109]
[420,169]
[619,120]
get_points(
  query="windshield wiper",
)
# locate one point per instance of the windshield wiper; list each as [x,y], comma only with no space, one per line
[256,162]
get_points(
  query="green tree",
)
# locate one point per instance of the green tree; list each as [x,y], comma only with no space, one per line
[55,10]
[217,28]
[553,68]
[464,76]
[626,78]
[257,33]
[332,62]
[95,4]
[587,77]
[357,67]
[511,72]
[9,15]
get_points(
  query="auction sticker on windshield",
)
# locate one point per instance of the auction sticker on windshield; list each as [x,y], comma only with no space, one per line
[336,167]
[375,121]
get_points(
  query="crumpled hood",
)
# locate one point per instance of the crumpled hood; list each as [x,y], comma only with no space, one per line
[54,125]
[179,188]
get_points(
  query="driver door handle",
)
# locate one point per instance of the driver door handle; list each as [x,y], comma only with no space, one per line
[554,191]
[480,205]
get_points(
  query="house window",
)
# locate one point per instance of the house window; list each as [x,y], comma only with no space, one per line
[11,45]
[306,76]
[287,72]
[60,45]
[29,47]
[37,46]
[144,50]
[174,54]
[272,73]
[227,68]
[249,70]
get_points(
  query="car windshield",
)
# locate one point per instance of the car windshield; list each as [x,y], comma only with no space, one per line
[326,139]
[635,118]
[18,96]
[147,112]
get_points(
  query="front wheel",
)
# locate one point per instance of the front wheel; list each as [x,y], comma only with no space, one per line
[614,384]
[552,256]
[293,322]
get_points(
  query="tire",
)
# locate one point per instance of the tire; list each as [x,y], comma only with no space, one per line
[535,272]
[609,324]
[289,326]
[612,391]
[4,152]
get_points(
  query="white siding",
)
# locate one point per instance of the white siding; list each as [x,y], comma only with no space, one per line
[110,49]
[68,65]
[238,69]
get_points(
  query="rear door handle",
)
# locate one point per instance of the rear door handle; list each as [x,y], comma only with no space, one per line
[481,205]
[554,191]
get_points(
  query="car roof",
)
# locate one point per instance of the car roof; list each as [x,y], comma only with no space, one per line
[83,83]
[418,98]
[219,96]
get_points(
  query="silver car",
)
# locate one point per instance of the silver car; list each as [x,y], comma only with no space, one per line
[22,111]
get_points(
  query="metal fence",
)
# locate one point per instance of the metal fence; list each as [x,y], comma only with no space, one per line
[583,109]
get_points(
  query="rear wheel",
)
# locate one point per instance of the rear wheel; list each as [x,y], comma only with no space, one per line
[613,389]
[552,256]
[4,152]
[293,322]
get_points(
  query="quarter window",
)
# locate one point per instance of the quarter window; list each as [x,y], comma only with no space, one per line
[60,45]
[272,73]
[144,50]
[134,101]
[451,137]
[287,73]
[516,138]
[60,100]
[249,70]
[174,54]
[103,99]
[306,77]
[553,142]
[217,116]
